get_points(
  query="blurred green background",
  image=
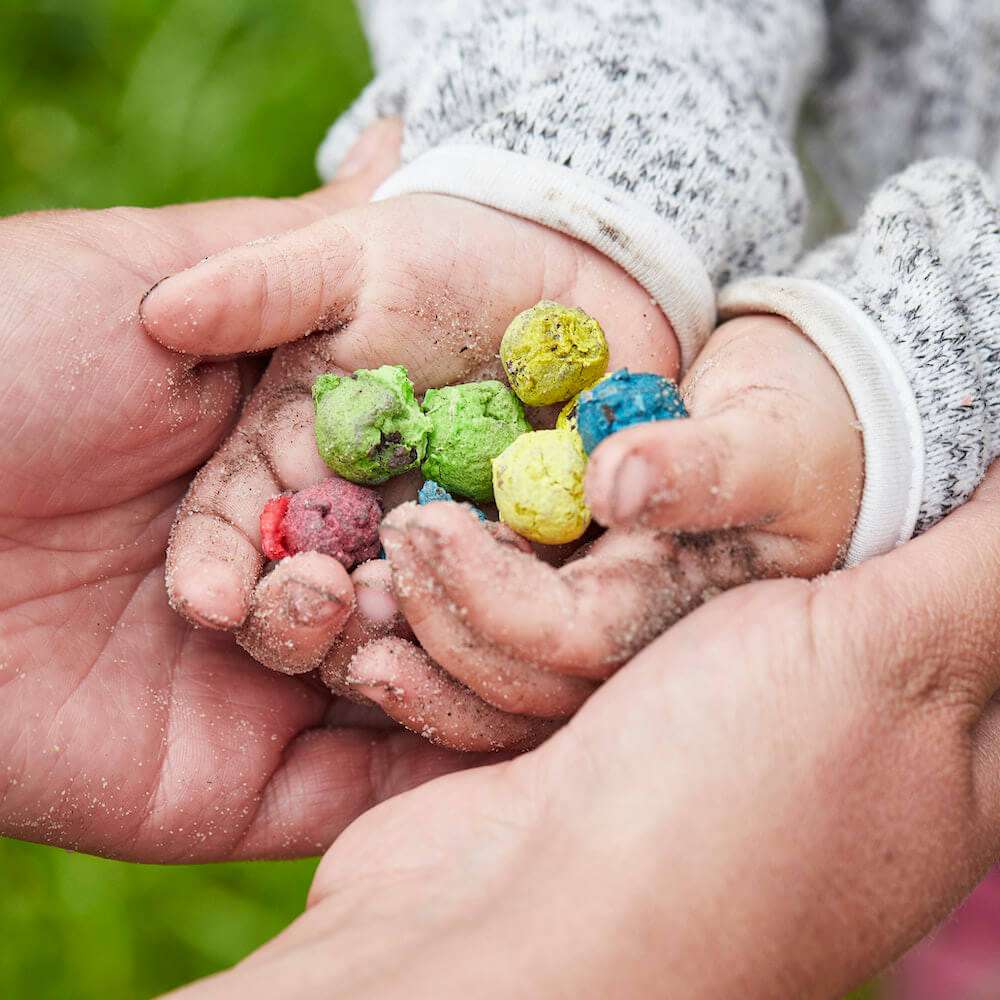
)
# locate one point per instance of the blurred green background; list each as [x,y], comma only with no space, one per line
[145,102]
[154,101]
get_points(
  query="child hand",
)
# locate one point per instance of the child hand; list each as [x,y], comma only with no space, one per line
[769,464]
[772,449]
[429,282]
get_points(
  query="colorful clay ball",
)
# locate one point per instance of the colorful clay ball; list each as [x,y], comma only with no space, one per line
[369,425]
[569,414]
[538,483]
[469,426]
[623,400]
[550,352]
[432,492]
[335,517]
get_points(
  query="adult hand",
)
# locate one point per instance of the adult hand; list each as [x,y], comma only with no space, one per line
[123,730]
[774,799]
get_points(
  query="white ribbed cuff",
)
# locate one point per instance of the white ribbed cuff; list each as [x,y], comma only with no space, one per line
[882,397]
[624,230]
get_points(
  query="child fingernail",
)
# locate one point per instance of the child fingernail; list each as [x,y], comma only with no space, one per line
[306,605]
[633,485]
[376,605]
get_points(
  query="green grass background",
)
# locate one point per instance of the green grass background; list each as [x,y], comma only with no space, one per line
[154,101]
[147,102]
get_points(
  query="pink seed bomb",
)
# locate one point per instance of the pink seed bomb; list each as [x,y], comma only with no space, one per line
[335,517]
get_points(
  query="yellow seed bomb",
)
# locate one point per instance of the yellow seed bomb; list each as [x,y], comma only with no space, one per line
[551,352]
[569,414]
[538,484]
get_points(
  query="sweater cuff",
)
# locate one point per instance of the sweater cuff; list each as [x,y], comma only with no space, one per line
[621,228]
[882,397]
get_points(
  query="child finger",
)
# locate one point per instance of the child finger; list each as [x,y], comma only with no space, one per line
[213,227]
[263,293]
[298,611]
[734,468]
[211,569]
[582,620]
[214,559]
[499,679]
[377,614]
[408,686]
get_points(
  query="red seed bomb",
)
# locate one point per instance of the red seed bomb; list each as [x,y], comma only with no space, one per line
[335,517]
[272,527]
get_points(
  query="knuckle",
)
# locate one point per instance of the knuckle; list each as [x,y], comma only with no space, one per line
[715,467]
[914,654]
[265,284]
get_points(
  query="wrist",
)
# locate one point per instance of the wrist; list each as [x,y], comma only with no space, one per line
[619,227]
[880,393]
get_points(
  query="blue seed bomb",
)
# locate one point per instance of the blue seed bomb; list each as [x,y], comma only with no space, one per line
[432,492]
[623,400]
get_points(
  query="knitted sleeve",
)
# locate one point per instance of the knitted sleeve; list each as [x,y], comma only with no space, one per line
[907,309]
[904,81]
[658,131]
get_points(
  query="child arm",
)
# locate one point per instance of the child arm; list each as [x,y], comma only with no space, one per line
[904,81]
[907,309]
[659,133]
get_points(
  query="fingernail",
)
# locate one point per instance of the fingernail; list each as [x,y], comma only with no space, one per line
[307,605]
[211,592]
[634,483]
[376,605]
[360,155]
[375,691]
[149,291]
[364,678]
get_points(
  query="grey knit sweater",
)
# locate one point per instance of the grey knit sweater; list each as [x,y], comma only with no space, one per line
[662,132]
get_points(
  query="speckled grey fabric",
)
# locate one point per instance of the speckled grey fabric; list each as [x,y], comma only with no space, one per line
[690,106]
[903,81]
[924,264]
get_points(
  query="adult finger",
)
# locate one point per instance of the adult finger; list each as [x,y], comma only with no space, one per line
[408,686]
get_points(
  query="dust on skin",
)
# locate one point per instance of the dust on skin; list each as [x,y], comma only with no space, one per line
[501,680]
[418,694]
[292,598]
[692,571]
[657,576]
